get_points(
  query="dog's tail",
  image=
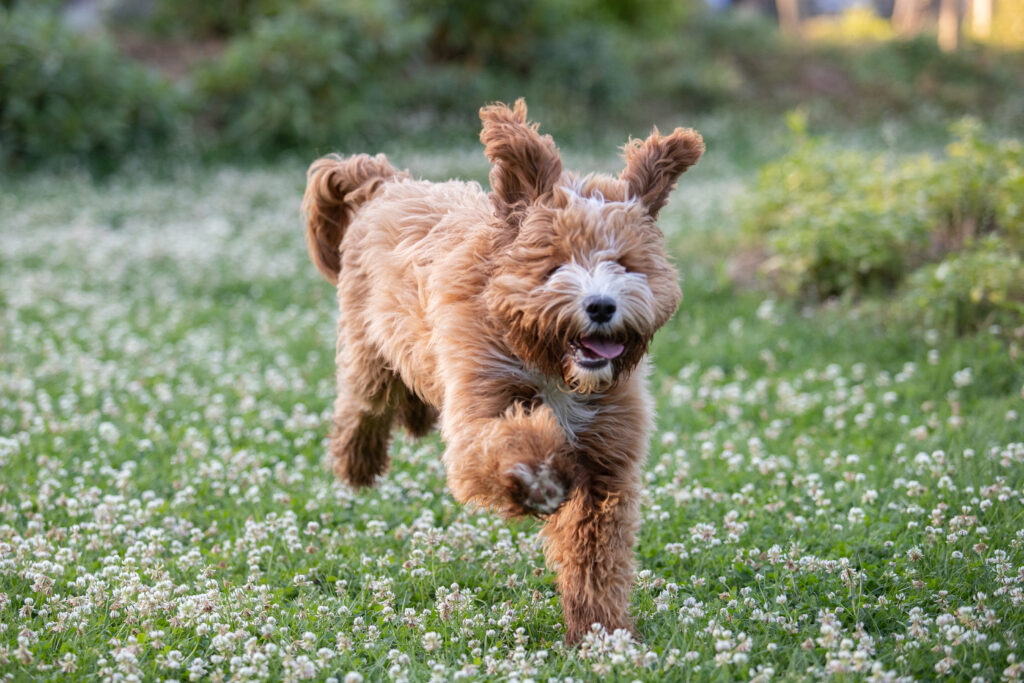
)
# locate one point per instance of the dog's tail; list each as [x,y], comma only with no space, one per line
[335,187]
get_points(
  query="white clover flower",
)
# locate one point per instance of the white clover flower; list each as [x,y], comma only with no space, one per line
[173,660]
[109,433]
[963,378]
[431,641]
[69,662]
[197,669]
[353,677]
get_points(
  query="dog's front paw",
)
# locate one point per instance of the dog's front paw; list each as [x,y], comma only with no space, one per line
[538,490]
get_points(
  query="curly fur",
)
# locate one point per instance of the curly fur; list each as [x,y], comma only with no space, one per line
[479,311]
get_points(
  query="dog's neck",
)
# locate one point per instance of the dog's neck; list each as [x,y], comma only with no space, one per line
[573,410]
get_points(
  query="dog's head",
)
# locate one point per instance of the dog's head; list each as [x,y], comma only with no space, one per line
[582,281]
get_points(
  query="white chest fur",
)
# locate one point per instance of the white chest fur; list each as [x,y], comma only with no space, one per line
[574,411]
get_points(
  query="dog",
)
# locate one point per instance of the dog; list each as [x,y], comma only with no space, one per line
[519,320]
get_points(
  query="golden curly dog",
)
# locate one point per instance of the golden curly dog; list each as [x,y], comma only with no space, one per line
[520,318]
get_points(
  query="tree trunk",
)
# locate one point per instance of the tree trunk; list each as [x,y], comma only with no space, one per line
[906,17]
[789,16]
[981,18]
[949,25]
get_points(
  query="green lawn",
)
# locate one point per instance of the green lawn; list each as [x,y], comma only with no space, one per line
[829,493]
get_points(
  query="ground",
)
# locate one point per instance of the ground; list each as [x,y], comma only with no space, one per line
[830,493]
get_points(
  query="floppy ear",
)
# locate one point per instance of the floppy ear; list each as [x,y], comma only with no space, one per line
[654,165]
[526,163]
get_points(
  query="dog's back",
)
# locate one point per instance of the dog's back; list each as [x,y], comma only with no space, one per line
[397,249]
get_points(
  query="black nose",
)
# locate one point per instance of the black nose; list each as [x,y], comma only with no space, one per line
[599,308]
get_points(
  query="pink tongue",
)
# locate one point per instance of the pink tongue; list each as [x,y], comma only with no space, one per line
[603,347]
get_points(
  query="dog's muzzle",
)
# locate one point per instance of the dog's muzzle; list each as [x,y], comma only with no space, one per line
[594,352]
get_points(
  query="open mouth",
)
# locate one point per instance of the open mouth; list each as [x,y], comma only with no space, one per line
[594,352]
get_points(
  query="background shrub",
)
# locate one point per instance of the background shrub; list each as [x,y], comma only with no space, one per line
[971,289]
[844,222]
[205,19]
[68,97]
[978,189]
[315,74]
[838,221]
[303,76]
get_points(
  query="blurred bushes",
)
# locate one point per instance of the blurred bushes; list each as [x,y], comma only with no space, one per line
[968,290]
[329,72]
[855,25]
[209,18]
[948,232]
[305,76]
[423,68]
[316,72]
[837,221]
[978,189]
[64,97]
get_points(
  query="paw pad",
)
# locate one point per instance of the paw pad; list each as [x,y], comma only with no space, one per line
[542,490]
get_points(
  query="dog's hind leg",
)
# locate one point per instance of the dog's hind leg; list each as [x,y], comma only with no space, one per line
[369,398]
[417,417]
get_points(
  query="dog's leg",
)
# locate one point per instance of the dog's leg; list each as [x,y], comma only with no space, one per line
[590,543]
[530,461]
[359,443]
[369,396]
[518,463]
[416,416]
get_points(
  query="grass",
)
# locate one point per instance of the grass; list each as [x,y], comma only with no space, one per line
[829,493]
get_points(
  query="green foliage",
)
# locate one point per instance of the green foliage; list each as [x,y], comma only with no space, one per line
[499,35]
[68,97]
[844,222]
[317,75]
[837,221]
[311,75]
[971,289]
[350,72]
[202,18]
[715,59]
[979,189]
[900,75]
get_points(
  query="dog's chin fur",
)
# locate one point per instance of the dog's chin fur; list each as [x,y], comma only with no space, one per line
[587,380]
[518,319]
